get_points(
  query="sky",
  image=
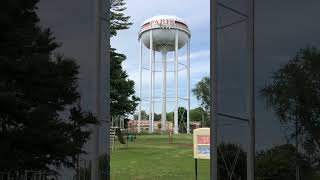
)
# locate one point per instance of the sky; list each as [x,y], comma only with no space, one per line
[282,28]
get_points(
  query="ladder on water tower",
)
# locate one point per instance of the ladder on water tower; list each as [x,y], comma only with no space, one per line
[112,138]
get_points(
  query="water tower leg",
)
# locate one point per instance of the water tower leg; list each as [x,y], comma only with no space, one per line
[176,128]
[140,89]
[164,91]
[188,90]
[150,85]
[153,89]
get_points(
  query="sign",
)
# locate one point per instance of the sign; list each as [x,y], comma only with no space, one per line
[201,143]
[203,139]
[164,23]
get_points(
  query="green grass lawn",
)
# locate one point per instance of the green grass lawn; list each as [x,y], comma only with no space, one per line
[151,157]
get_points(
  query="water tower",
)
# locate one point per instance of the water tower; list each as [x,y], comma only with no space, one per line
[161,35]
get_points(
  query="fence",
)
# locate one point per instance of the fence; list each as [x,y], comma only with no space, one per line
[82,172]
[28,175]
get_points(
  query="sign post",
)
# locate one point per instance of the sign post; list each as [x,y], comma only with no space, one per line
[196,167]
[201,146]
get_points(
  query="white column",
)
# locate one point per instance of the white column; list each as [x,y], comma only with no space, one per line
[153,89]
[176,128]
[188,90]
[164,90]
[140,89]
[150,90]
[250,91]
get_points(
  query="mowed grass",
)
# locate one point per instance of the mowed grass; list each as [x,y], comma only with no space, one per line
[151,157]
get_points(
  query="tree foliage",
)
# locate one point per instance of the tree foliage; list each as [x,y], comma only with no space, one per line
[279,163]
[294,96]
[144,115]
[202,92]
[198,114]
[36,91]
[123,100]
[170,116]
[118,20]
[182,119]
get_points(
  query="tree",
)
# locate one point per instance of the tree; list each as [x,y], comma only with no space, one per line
[36,90]
[118,20]
[144,115]
[157,117]
[170,116]
[123,100]
[294,96]
[198,114]
[182,119]
[202,93]
[278,163]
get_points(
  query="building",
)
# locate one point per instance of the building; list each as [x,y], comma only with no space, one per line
[133,125]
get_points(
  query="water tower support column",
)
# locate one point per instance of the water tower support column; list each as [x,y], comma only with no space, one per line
[164,91]
[151,87]
[188,90]
[176,128]
[140,89]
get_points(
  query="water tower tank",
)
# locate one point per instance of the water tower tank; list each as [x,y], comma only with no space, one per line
[163,31]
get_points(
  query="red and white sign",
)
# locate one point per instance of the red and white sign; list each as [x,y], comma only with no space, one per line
[201,143]
[202,139]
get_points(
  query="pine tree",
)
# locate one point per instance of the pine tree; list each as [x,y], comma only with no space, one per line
[118,20]
[123,100]
[35,89]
